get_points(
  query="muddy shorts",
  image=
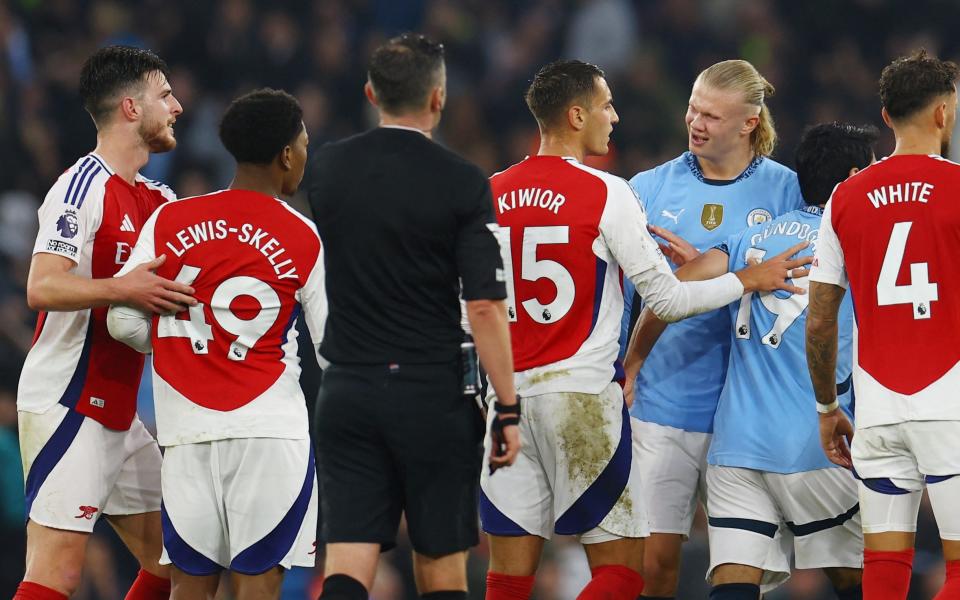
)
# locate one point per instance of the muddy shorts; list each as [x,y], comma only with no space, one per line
[576,474]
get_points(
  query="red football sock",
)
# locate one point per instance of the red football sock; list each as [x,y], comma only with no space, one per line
[148,586]
[613,582]
[886,575]
[508,587]
[28,590]
[951,587]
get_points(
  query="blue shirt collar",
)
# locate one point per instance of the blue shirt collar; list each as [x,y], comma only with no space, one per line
[694,166]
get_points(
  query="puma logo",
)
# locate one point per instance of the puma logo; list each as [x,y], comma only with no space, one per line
[670,215]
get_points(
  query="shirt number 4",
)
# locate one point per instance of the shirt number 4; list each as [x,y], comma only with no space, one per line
[920,292]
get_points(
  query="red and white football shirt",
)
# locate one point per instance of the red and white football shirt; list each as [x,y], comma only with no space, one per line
[891,233]
[91,216]
[228,367]
[566,231]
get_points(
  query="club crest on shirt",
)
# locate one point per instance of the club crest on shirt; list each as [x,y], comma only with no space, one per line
[711,216]
[67,225]
[757,216]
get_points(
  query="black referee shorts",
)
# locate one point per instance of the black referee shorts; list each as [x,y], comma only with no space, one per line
[400,439]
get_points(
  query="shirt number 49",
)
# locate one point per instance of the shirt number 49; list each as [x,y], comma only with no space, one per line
[248,332]
[920,292]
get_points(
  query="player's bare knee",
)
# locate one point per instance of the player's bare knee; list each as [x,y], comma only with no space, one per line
[440,573]
[60,576]
[265,586]
[661,565]
[843,577]
[55,557]
[735,573]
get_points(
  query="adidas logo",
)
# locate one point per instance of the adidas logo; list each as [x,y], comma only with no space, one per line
[127,224]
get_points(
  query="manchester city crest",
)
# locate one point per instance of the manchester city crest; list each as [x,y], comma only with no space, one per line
[711,216]
[757,216]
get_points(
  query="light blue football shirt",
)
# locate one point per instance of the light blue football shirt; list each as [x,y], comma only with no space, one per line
[680,381]
[766,419]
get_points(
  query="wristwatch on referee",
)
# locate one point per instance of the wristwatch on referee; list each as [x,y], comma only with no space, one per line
[828,408]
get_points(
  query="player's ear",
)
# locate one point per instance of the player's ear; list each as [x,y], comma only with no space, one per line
[370,94]
[750,124]
[886,117]
[576,116]
[940,115]
[853,171]
[286,158]
[438,99]
[129,108]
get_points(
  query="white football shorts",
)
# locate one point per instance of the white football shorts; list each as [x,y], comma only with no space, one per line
[757,518]
[673,467]
[576,473]
[895,463]
[76,469]
[246,504]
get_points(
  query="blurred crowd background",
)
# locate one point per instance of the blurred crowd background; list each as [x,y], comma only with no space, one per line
[823,57]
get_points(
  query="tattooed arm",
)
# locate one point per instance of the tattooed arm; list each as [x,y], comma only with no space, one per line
[822,334]
[835,429]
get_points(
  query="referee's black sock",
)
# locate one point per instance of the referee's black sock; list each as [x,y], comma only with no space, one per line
[850,593]
[735,591]
[657,598]
[445,595]
[343,587]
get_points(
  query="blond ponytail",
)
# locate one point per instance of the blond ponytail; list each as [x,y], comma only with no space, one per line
[741,76]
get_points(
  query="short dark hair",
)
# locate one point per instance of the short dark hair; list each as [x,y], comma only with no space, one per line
[404,70]
[258,125]
[111,69]
[558,85]
[910,83]
[825,155]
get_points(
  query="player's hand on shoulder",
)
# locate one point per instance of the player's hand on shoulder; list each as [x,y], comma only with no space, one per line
[677,249]
[776,273]
[144,290]
[836,437]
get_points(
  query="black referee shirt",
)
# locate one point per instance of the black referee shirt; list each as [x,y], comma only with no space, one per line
[402,221]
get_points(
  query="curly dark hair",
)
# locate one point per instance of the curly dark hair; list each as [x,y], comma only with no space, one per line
[825,155]
[558,85]
[910,83]
[258,125]
[404,70]
[111,69]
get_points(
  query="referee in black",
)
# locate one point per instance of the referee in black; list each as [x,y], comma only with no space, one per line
[407,228]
